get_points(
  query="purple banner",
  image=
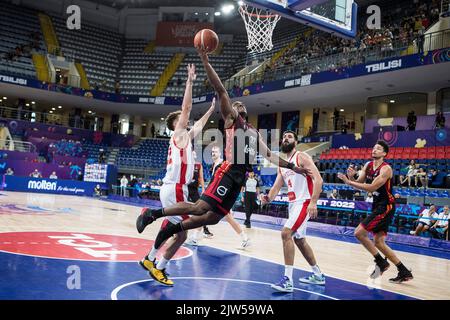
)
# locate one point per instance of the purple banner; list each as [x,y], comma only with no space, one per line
[20,127]
[390,124]
[17,155]
[25,168]
[408,139]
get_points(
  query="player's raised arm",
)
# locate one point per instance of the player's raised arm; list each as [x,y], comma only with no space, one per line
[186,107]
[200,124]
[225,103]
[385,174]
[276,160]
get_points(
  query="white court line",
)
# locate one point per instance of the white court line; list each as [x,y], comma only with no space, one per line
[116,290]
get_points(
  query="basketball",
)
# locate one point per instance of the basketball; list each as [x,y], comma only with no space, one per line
[207,40]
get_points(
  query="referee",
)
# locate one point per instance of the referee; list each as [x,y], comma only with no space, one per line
[251,192]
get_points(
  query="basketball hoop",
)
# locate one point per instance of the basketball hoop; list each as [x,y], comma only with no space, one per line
[259,25]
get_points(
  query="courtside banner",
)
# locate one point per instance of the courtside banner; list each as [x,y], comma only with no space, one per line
[68,187]
[178,34]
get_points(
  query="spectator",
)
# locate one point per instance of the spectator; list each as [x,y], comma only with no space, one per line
[425,221]
[117,87]
[315,121]
[335,118]
[310,132]
[53,175]
[9,172]
[420,39]
[369,197]
[36,174]
[344,128]
[251,192]
[179,82]
[334,195]
[411,172]
[123,186]
[432,175]
[440,120]
[152,130]
[440,227]
[97,191]
[412,121]
[422,177]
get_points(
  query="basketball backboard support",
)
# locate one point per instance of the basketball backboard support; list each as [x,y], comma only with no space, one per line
[334,16]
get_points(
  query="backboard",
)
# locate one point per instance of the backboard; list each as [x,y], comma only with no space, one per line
[334,16]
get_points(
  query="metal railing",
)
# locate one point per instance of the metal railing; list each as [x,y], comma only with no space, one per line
[17,145]
[40,117]
[399,47]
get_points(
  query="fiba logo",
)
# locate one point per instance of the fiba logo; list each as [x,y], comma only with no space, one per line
[221,191]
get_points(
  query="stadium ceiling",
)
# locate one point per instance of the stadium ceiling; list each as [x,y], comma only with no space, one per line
[120,4]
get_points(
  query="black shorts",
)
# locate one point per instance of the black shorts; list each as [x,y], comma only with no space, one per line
[193,194]
[225,187]
[380,218]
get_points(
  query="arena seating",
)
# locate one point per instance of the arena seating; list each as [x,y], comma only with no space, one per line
[98,50]
[338,160]
[151,153]
[16,33]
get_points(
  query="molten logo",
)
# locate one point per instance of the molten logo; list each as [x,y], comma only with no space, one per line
[42,185]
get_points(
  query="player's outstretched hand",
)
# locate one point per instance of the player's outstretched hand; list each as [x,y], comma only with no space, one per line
[343,177]
[213,105]
[351,172]
[312,210]
[203,53]
[191,73]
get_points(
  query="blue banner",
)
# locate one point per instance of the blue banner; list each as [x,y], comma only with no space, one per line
[68,187]
[397,63]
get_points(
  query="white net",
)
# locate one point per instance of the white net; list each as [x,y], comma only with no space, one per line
[260,25]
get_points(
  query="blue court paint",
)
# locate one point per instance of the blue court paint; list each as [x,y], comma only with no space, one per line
[209,273]
[340,237]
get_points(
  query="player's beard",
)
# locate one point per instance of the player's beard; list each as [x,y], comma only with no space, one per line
[286,148]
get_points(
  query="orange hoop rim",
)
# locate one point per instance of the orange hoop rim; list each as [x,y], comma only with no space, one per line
[264,16]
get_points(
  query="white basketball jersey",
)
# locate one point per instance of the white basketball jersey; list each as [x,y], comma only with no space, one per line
[180,164]
[300,187]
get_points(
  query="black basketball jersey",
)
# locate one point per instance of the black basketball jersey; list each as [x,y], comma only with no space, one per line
[383,195]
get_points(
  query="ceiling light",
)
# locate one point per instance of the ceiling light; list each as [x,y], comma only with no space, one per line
[226,9]
[162,118]
[27,104]
[5,98]
[392,101]
[217,13]
[196,13]
[89,111]
[212,121]
[53,109]
[144,124]
[241,3]
[59,107]
[206,13]
[342,110]
[32,102]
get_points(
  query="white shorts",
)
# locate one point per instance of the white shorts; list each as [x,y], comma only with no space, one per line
[170,194]
[298,217]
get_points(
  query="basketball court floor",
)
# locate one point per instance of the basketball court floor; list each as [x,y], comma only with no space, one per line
[67,247]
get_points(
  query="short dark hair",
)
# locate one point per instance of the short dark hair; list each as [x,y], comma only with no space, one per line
[384,145]
[290,131]
[171,118]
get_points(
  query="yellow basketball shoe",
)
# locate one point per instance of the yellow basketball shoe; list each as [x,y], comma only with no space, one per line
[161,276]
[148,264]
